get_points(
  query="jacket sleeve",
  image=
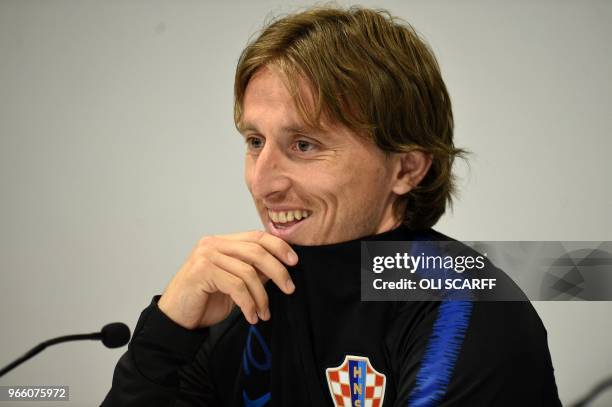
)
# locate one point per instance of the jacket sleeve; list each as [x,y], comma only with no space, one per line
[160,367]
[476,354]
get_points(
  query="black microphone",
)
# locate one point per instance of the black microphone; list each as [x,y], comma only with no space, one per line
[112,336]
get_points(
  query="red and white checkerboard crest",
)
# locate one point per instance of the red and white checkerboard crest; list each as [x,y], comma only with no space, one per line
[355,383]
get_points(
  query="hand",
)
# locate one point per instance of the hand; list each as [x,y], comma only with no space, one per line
[227,270]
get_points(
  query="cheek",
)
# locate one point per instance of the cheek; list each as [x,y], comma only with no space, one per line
[365,185]
[317,189]
[340,192]
[248,173]
[343,186]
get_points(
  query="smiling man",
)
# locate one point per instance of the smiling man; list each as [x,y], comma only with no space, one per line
[318,185]
[348,130]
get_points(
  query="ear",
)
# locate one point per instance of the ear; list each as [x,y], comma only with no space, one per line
[411,168]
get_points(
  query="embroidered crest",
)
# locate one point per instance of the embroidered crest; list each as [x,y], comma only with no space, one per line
[355,383]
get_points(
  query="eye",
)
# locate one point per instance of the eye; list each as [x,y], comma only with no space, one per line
[254,143]
[304,146]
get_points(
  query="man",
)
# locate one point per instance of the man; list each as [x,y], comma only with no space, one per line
[349,136]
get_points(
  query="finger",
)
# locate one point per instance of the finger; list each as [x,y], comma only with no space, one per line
[250,276]
[236,288]
[258,257]
[275,245]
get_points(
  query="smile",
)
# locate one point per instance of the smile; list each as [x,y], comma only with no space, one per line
[284,219]
[284,223]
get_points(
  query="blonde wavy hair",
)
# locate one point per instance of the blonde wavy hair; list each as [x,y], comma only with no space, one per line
[371,72]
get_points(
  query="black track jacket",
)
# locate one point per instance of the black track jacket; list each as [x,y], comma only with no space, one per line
[325,347]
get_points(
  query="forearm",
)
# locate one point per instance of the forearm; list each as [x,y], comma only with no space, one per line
[149,373]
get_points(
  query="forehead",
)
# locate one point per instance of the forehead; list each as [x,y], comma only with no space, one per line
[267,96]
[267,85]
[269,106]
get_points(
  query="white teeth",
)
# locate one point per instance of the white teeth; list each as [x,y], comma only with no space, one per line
[287,216]
[274,216]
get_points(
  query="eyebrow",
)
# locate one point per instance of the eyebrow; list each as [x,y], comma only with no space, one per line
[294,128]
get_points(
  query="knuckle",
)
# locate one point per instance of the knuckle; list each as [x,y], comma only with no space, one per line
[249,271]
[257,250]
[257,235]
[202,262]
[205,252]
[206,240]
[239,285]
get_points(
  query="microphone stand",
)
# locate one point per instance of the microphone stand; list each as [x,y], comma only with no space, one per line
[39,348]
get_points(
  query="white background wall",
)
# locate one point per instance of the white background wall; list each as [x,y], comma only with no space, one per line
[118,151]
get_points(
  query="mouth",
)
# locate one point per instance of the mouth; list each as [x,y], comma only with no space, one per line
[283,223]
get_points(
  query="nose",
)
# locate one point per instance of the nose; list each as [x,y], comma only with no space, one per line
[269,176]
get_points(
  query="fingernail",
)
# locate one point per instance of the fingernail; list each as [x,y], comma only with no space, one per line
[265,314]
[254,318]
[290,286]
[292,257]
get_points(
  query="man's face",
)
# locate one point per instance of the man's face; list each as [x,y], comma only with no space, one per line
[311,187]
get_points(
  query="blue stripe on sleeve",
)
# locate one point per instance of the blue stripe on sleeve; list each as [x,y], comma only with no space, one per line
[441,353]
